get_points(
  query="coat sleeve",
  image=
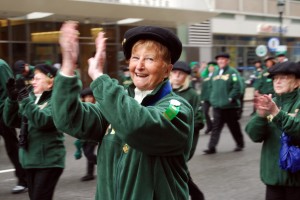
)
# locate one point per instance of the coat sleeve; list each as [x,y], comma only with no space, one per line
[40,118]
[236,89]
[257,128]
[70,115]
[11,115]
[287,123]
[144,128]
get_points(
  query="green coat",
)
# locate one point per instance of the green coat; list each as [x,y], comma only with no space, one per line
[265,84]
[260,130]
[141,154]
[226,89]
[206,89]
[45,143]
[5,74]
[193,98]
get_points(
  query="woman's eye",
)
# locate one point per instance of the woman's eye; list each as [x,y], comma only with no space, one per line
[134,58]
[149,59]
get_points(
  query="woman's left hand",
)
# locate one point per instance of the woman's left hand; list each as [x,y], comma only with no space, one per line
[96,63]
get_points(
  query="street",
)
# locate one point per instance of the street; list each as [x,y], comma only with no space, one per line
[226,175]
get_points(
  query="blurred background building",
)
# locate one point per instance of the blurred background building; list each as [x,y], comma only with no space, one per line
[29,28]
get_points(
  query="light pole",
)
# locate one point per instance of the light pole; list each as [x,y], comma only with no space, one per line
[280,7]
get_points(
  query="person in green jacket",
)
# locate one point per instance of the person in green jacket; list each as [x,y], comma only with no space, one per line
[22,70]
[274,116]
[42,151]
[264,84]
[9,134]
[225,99]
[205,92]
[180,80]
[144,132]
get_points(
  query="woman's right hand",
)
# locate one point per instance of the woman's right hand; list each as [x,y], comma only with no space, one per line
[68,40]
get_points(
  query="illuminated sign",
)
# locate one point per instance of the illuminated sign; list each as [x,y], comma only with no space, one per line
[270,28]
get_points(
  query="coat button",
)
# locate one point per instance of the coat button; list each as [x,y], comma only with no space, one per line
[125,148]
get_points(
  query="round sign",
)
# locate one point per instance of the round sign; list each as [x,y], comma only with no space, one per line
[261,50]
[273,43]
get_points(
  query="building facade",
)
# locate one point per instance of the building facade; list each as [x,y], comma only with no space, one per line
[205,27]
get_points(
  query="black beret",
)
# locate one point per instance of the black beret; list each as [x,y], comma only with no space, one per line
[49,70]
[285,68]
[161,35]
[19,66]
[269,58]
[212,63]
[86,91]
[182,66]
[256,61]
[223,55]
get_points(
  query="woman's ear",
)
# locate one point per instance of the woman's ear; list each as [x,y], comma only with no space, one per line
[169,68]
[50,83]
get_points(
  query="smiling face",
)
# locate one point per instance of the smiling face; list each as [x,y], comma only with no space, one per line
[41,82]
[149,64]
[222,62]
[285,83]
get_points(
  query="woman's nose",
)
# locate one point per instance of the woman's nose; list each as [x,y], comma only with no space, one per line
[140,64]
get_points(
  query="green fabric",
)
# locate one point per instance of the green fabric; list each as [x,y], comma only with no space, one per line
[226,89]
[264,84]
[141,154]
[193,98]
[45,143]
[257,77]
[260,130]
[5,74]
[205,89]
[78,152]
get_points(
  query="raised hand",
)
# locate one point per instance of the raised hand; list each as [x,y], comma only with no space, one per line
[265,106]
[96,63]
[68,41]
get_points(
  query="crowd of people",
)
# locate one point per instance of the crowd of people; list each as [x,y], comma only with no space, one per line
[146,125]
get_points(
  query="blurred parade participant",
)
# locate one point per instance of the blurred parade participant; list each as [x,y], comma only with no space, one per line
[42,151]
[180,79]
[24,71]
[195,74]
[225,100]
[272,118]
[281,56]
[145,133]
[88,147]
[125,76]
[205,93]
[264,83]
[9,134]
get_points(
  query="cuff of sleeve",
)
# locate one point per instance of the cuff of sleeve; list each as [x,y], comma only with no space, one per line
[277,118]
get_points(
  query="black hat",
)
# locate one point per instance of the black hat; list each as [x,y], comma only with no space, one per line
[223,55]
[212,63]
[19,66]
[49,70]
[161,35]
[85,92]
[269,58]
[182,66]
[257,61]
[285,68]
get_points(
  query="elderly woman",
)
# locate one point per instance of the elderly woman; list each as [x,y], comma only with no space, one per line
[145,132]
[274,116]
[42,152]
